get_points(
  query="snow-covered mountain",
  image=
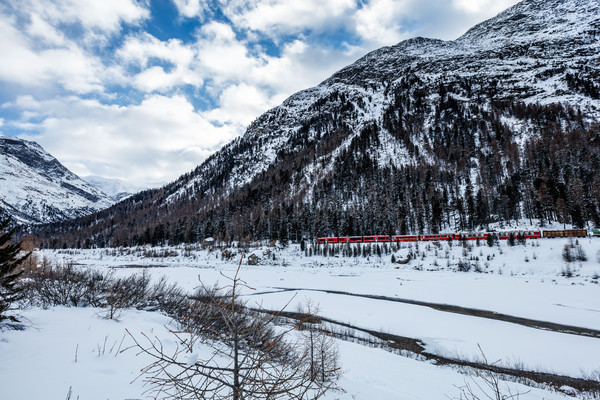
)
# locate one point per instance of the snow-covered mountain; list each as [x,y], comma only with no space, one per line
[117,189]
[36,188]
[536,52]
[427,135]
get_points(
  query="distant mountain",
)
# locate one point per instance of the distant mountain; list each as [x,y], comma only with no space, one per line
[117,189]
[36,188]
[424,136]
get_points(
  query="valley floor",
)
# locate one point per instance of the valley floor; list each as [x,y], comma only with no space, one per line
[527,308]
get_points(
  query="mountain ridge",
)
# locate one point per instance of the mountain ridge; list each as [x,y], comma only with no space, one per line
[37,188]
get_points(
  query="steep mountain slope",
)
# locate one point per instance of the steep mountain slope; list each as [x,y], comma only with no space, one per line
[36,188]
[427,135]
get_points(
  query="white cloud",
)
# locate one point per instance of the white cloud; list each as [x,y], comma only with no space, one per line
[148,143]
[42,31]
[386,22]
[240,104]
[480,7]
[181,60]
[249,83]
[191,8]
[379,21]
[222,56]
[95,18]
[227,60]
[283,16]
[67,65]
[36,52]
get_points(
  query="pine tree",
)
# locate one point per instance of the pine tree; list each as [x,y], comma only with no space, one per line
[9,275]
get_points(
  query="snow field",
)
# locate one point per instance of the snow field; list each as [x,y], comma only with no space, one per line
[75,350]
[535,289]
[454,335]
[40,362]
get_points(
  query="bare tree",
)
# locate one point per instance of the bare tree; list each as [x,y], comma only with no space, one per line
[323,355]
[227,351]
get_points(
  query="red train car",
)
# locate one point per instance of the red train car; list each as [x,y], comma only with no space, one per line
[405,238]
[470,236]
[516,234]
[429,238]
[532,234]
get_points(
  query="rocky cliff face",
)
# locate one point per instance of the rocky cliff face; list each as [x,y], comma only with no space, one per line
[36,188]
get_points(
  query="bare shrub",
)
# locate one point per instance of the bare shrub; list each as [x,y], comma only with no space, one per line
[567,254]
[573,252]
[65,286]
[124,293]
[247,357]
[580,253]
[73,287]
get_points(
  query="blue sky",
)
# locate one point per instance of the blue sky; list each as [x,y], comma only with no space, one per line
[144,91]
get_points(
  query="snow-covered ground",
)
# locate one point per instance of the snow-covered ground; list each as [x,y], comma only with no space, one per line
[530,281]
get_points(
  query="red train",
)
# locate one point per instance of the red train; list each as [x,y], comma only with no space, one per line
[453,236]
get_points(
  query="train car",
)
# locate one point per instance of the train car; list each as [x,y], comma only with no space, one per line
[531,234]
[405,238]
[469,236]
[451,236]
[566,233]
[429,238]
[516,234]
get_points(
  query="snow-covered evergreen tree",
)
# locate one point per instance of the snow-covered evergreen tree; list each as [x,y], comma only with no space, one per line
[10,260]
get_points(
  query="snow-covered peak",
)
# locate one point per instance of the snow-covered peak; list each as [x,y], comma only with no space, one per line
[538,20]
[117,189]
[35,187]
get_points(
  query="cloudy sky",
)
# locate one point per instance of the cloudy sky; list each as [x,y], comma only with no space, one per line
[145,90]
